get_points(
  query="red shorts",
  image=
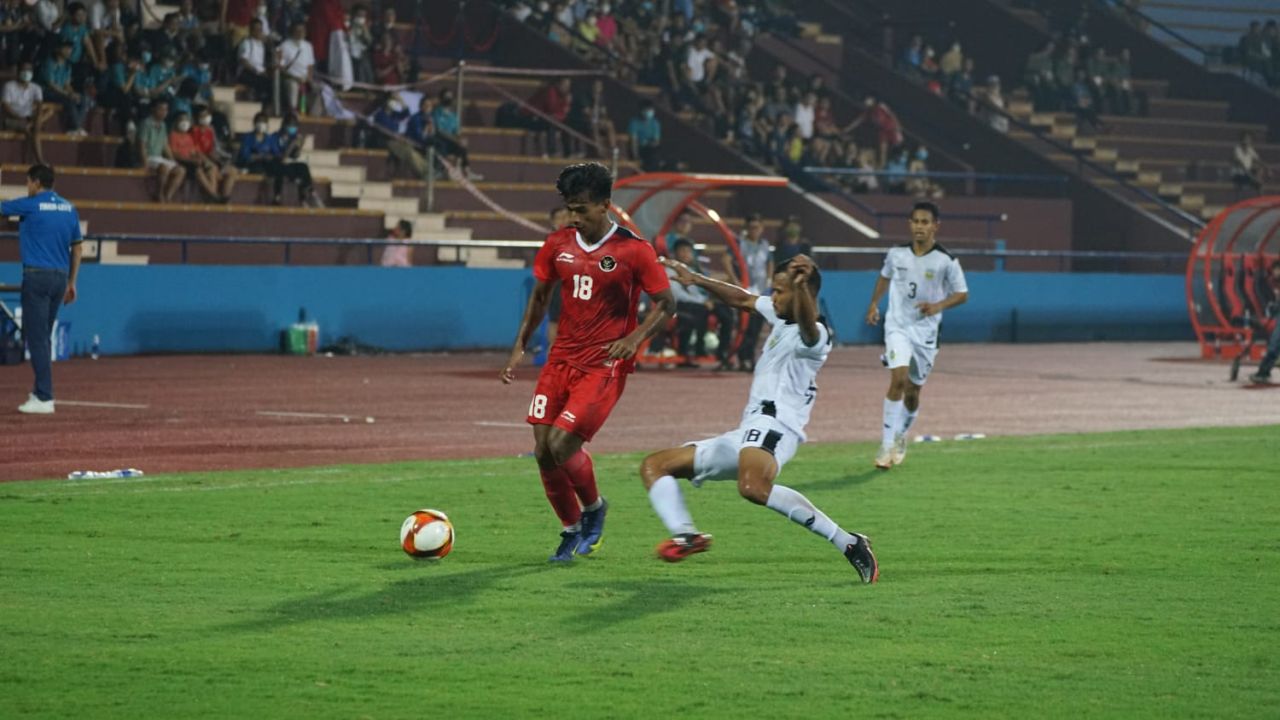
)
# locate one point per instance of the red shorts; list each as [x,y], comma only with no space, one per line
[573,400]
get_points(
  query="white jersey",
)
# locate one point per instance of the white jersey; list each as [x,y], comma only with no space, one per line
[785,382]
[915,279]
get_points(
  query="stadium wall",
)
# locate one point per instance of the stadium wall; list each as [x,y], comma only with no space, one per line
[205,308]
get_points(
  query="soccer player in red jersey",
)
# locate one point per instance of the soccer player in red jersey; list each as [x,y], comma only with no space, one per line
[602,268]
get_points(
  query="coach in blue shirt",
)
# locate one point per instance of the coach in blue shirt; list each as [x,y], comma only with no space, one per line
[49,240]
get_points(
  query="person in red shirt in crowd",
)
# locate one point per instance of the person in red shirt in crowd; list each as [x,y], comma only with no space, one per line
[553,100]
[390,64]
[206,141]
[884,124]
[234,17]
[183,147]
[601,268]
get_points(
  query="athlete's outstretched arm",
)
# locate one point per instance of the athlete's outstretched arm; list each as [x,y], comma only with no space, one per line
[805,305]
[729,294]
[873,312]
[664,306]
[533,314]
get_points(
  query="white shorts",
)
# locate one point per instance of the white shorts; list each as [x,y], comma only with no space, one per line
[901,350]
[159,161]
[717,458]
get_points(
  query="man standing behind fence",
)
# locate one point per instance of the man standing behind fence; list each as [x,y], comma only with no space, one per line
[49,240]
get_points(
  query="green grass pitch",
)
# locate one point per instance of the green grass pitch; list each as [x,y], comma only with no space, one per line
[1128,575]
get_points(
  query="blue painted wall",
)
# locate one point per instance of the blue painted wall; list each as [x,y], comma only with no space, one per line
[190,308]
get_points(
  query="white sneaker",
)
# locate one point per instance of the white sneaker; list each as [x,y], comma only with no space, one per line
[36,406]
[884,458]
[899,451]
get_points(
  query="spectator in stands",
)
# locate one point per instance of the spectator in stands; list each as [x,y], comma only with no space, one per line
[252,58]
[1082,100]
[398,255]
[182,146]
[57,87]
[1064,78]
[206,140]
[1039,78]
[804,114]
[289,139]
[390,64]
[360,44]
[681,230]
[261,152]
[297,62]
[877,116]
[952,61]
[912,57]
[551,105]
[153,148]
[918,184]
[168,39]
[895,172]
[23,110]
[15,18]
[108,23]
[1263,375]
[758,258]
[792,242]
[84,58]
[190,26]
[1118,86]
[448,138]
[419,134]
[1248,168]
[117,90]
[646,137]
[960,87]
[389,121]
[993,106]
[288,13]
[1252,50]
[867,181]
[589,116]
[750,131]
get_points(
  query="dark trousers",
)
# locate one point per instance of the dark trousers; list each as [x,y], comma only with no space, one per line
[691,329]
[750,338]
[451,147]
[725,317]
[1268,360]
[278,170]
[42,291]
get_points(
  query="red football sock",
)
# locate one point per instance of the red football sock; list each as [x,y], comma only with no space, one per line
[560,494]
[582,475]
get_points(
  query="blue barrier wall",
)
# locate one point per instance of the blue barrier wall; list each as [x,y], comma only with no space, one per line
[190,308]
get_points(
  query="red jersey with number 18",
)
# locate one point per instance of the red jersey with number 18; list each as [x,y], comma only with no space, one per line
[599,291]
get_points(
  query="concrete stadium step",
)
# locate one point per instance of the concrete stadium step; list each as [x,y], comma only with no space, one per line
[1184,150]
[520,197]
[62,150]
[495,168]
[1179,129]
[491,225]
[1189,172]
[1200,110]
[139,186]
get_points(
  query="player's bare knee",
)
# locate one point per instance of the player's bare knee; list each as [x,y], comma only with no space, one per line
[754,489]
[652,468]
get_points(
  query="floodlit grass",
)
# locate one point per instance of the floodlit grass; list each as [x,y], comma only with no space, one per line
[1121,575]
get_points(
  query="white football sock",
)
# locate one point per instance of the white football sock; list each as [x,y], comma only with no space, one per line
[893,410]
[595,505]
[668,502]
[908,417]
[800,511]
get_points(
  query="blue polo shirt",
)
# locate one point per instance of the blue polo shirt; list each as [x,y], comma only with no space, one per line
[50,226]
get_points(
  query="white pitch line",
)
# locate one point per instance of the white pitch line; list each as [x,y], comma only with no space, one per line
[321,416]
[490,423]
[86,403]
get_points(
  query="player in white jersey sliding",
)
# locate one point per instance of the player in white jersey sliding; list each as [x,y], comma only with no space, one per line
[782,394]
[923,279]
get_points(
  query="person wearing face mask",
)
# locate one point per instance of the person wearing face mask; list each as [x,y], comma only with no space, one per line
[206,141]
[272,155]
[388,123]
[182,146]
[55,76]
[153,148]
[646,137]
[360,44]
[918,185]
[447,138]
[23,110]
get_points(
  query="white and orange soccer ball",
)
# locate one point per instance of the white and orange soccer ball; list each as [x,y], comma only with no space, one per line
[427,534]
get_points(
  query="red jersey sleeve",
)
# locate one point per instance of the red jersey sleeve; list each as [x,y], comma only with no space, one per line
[653,276]
[544,262]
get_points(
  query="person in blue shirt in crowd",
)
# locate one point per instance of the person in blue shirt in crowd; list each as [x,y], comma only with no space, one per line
[275,155]
[49,242]
[55,77]
[448,138]
[646,137]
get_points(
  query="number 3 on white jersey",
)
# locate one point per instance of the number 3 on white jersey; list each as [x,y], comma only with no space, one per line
[582,287]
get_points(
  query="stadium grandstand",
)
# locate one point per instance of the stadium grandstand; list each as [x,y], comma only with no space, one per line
[311,230]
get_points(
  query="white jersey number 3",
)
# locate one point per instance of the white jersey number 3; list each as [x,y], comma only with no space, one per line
[582,287]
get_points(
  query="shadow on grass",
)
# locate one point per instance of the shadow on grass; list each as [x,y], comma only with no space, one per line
[841,482]
[426,589]
[608,604]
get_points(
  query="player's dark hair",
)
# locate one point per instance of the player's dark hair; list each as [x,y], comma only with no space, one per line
[815,278]
[42,174]
[928,207]
[591,178]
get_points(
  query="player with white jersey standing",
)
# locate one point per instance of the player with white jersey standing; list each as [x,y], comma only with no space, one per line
[923,279]
[783,390]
